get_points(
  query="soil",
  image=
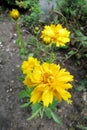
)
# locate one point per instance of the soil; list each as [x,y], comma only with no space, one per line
[12,117]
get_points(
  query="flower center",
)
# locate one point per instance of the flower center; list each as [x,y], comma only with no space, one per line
[48,78]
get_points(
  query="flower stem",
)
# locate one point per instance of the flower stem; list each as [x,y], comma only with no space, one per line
[20,41]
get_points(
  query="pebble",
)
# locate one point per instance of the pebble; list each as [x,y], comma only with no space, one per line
[7,91]
[15,34]
[12,70]
[14,41]
[10,89]
[7,50]
[12,81]
[85,96]
[17,65]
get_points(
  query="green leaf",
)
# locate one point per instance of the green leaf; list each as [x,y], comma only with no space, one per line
[35,107]
[29,90]
[80,88]
[71,52]
[55,118]
[42,112]
[83,85]
[82,127]
[25,105]
[35,114]
[48,113]
[21,78]
[23,94]
[54,104]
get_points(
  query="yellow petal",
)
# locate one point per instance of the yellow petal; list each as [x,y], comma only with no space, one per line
[47,98]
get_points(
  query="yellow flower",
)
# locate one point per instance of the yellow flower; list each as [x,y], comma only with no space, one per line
[29,65]
[62,36]
[55,34]
[15,14]
[48,33]
[49,81]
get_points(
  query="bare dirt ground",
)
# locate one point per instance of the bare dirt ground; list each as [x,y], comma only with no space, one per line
[12,117]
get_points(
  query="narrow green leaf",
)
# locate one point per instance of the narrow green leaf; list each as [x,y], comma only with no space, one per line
[71,52]
[34,114]
[29,90]
[23,94]
[21,78]
[82,127]
[48,112]
[42,112]
[54,104]
[80,88]
[35,107]
[25,105]
[56,119]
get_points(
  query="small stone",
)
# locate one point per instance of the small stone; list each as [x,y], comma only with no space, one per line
[7,50]
[0,43]
[12,70]
[15,34]
[10,90]
[7,91]
[84,96]
[14,41]
[17,66]
[12,81]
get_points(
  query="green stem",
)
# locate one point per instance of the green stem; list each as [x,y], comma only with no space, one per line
[20,41]
[19,34]
[37,48]
[72,54]
[50,54]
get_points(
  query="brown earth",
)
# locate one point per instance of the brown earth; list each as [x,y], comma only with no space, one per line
[12,117]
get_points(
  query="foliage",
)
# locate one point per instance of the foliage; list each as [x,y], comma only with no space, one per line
[75,10]
[33,10]
[38,109]
[81,127]
[10,2]
[32,17]
[74,15]
[22,3]
[82,85]
[79,41]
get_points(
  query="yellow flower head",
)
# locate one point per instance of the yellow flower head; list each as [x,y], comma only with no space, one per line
[49,82]
[62,36]
[29,65]
[15,14]
[48,33]
[55,34]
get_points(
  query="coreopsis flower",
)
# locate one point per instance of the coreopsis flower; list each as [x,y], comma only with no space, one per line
[62,36]
[15,14]
[48,34]
[55,34]
[49,81]
[29,65]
